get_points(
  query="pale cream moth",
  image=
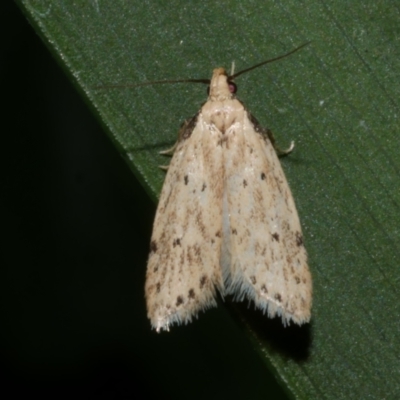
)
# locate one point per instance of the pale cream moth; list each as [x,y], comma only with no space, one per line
[226,219]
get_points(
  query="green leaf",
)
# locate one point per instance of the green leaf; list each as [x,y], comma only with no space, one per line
[338,99]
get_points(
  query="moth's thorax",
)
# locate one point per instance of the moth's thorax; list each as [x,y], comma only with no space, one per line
[222,109]
[223,114]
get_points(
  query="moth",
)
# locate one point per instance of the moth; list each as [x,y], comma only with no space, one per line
[226,221]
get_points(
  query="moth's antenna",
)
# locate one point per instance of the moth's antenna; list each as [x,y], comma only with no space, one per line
[268,61]
[206,81]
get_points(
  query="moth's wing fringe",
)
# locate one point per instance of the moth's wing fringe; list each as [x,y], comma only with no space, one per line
[168,318]
[242,289]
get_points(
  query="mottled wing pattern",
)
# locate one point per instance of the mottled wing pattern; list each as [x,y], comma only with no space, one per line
[268,261]
[183,269]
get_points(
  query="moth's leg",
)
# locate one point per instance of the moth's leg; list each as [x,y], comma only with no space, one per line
[168,152]
[281,152]
[164,167]
[183,131]
[268,135]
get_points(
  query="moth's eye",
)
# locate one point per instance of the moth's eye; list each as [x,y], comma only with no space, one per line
[232,87]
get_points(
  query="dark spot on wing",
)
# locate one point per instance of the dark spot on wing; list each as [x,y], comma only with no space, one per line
[179,301]
[299,239]
[203,187]
[278,297]
[256,124]
[176,242]
[234,231]
[192,294]
[244,183]
[253,280]
[187,127]
[265,132]
[203,281]
[275,236]
[297,279]
[158,287]
[264,289]
[263,176]
[153,246]
[186,178]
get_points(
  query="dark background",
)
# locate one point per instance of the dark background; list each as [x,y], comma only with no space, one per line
[72,213]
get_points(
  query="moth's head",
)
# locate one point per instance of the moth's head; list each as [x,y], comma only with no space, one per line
[221,88]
